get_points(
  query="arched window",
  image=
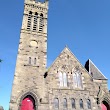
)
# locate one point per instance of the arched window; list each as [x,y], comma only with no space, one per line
[81,104]
[88,104]
[34,61]
[64,103]
[29,20]
[61,79]
[41,23]
[79,81]
[73,103]
[30,60]
[75,80]
[65,79]
[56,103]
[35,21]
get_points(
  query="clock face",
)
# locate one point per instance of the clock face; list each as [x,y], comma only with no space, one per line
[33,43]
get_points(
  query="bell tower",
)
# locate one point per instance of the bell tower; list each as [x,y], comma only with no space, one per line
[32,56]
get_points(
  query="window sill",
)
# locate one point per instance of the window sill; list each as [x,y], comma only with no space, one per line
[32,65]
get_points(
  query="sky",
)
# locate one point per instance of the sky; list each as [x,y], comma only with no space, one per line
[82,25]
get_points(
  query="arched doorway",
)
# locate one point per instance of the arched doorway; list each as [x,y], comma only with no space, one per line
[105,106]
[28,103]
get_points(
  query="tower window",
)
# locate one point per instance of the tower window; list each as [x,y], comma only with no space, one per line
[73,103]
[29,60]
[88,104]
[41,22]
[81,104]
[35,21]
[29,20]
[56,103]
[34,61]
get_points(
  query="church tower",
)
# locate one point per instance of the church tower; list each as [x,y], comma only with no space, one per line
[28,90]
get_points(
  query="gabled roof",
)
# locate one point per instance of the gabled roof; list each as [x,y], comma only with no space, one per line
[67,50]
[94,71]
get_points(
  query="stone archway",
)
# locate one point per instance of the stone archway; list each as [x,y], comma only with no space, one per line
[105,106]
[28,102]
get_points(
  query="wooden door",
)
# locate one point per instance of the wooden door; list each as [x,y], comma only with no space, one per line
[27,104]
[103,107]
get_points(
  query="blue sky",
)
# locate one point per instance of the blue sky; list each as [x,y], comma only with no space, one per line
[83,25]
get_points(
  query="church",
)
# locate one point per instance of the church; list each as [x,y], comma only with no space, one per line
[66,84]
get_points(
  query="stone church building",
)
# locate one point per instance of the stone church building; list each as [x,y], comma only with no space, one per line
[66,84]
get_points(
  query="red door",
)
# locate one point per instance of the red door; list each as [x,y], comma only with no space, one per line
[27,104]
[103,107]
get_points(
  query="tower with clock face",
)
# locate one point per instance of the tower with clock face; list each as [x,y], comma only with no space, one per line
[28,90]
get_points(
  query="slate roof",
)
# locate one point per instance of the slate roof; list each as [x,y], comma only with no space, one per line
[94,71]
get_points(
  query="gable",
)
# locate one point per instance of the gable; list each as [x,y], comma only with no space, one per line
[67,63]
[67,60]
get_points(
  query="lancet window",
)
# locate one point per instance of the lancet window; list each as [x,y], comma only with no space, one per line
[29,20]
[35,21]
[63,79]
[81,104]
[88,104]
[64,103]
[77,79]
[73,103]
[56,103]
[29,60]
[41,23]
[34,61]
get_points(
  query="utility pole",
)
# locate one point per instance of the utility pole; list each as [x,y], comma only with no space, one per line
[1,108]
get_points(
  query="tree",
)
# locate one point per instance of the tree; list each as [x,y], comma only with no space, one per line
[0,60]
[1,108]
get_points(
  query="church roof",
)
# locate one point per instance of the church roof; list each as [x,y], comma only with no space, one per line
[67,50]
[90,67]
[64,50]
[94,71]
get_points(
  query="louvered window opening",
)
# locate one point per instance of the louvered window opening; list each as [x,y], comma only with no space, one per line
[35,22]
[41,23]
[29,20]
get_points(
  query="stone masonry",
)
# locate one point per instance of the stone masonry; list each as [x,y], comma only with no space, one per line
[49,89]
